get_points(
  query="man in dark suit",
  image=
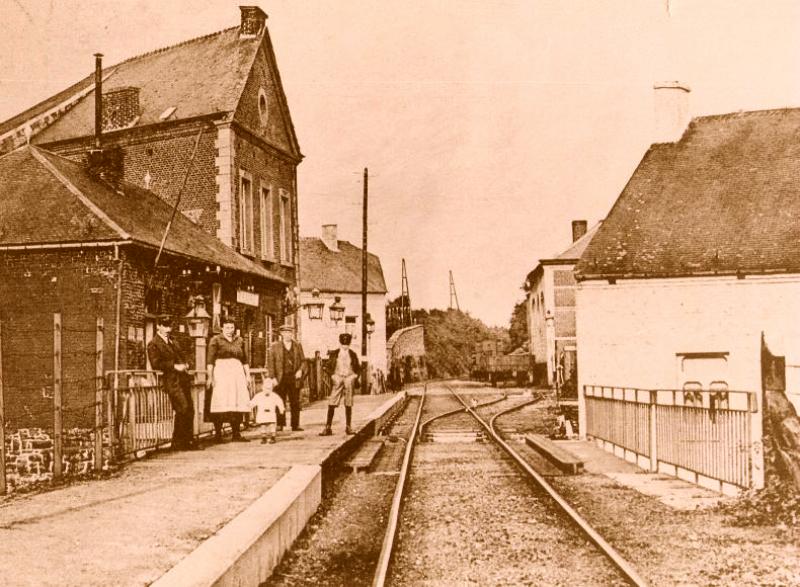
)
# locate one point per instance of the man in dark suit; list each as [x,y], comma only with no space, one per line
[343,367]
[287,368]
[165,356]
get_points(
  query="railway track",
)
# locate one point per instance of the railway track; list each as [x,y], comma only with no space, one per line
[473,508]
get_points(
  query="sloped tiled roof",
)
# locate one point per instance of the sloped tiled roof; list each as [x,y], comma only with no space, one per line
[725,199]
[576,249]
[47,199]
[199,77]
[340,271]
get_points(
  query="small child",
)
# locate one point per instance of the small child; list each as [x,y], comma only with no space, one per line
[267,404]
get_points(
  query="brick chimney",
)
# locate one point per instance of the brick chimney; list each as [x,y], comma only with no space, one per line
[671,111]
[578,229]
[329,237]
[120,108]
[253,21]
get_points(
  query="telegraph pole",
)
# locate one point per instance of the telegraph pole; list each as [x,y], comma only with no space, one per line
[365,362]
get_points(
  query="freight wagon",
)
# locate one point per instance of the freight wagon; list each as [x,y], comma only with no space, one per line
[490,365]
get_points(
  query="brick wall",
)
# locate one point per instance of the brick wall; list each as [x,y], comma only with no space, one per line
[33,286]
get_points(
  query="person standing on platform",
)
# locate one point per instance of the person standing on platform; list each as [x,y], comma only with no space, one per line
[287,368]
[344,368]
[165,356]
[268,405]
[228,380]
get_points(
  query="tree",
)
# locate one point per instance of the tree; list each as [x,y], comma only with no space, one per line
[518,325]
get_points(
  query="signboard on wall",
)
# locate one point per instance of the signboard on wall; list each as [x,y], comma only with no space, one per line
[247,297]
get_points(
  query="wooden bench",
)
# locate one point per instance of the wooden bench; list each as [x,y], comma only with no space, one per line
[561,458]
[364,457]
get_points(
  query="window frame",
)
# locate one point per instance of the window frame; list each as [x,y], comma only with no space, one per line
[265,221]
[246,240]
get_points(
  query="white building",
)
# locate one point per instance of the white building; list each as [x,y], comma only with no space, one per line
[550,304]
[330,273]
[699,257]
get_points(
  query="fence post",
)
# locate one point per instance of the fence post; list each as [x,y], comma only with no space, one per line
[98,398]
[653,431]
[3,487]
[57,415]
[757,440]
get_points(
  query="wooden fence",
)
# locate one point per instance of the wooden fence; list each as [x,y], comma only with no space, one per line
[709,437]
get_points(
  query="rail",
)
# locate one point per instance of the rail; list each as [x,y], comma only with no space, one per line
[385,556]
[704,433]
[609,551]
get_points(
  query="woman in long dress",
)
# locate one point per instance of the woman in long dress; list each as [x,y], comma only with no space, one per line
[228,377]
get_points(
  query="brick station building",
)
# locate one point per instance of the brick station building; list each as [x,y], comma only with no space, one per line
[210,112]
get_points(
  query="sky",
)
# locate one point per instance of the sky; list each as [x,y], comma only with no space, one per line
[487,126]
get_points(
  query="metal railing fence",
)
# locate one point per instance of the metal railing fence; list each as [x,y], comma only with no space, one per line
[705,432]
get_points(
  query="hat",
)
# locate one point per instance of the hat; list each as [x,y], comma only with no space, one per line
[345,338]
[286,328]
[164,320]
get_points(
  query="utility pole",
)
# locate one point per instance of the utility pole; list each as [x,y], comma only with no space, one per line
[453,294]
[405,299]
[365,362]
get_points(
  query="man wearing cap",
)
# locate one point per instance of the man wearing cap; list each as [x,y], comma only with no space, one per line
[165,356]
[287,367]
[343,367]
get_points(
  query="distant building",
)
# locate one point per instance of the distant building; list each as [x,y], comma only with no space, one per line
[331,270]
[405,351]
[550,304]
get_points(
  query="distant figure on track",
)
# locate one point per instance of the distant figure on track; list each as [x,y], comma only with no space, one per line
[343,367]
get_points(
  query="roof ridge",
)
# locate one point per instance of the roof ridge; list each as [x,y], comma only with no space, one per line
[169,47]
[83,198]
[744,113]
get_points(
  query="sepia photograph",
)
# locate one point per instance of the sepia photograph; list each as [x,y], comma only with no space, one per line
[425,293]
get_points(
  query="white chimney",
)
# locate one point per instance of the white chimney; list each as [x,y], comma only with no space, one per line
[329,237]
[671,111]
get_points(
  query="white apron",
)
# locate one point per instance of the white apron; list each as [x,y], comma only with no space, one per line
[230,387]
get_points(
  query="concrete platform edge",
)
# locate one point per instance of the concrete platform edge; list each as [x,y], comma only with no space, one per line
[247,549]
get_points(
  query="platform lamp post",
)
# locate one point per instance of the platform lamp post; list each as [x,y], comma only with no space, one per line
[550,326]
[370,328]
[336,310]
[198,322]
[315,306]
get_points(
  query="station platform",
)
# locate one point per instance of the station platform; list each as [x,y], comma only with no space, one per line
[671,491]
[220,516]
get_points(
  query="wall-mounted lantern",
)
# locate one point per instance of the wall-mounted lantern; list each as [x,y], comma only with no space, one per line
[315,306]
[198,320]
[337,309]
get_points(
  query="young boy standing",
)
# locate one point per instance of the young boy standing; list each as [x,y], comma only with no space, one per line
[268,405]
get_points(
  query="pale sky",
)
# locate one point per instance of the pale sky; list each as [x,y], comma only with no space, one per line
[487,125]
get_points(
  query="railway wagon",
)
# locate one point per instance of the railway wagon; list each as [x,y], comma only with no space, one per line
[489,364]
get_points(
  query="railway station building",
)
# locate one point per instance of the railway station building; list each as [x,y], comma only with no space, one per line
[90,178]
